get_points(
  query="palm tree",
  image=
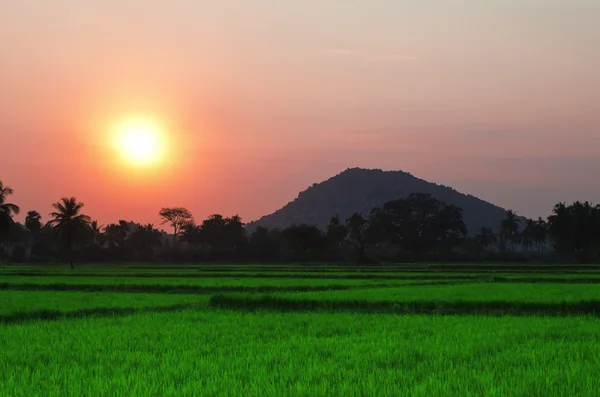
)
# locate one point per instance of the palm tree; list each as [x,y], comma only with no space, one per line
[8,208]
[191,233]
[509,228]
[33,221]
[528,234]
[116,233]
[540,234]
[486,237]
[69,223]
[146,239]
[96,230]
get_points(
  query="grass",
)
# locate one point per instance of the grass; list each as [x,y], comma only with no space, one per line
[205,281]
[31,305]
[214,353]
[336,337]
[532,292]
[471,299]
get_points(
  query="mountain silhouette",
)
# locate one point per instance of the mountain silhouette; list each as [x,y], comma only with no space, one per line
[360,190]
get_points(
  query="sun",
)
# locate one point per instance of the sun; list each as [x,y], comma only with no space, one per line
[140,141]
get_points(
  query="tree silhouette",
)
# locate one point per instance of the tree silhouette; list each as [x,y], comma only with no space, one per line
[116,233]
[145,239]
[540,234]
[177,218]
[419,224]
[223,234]
[486,237]
[528,233]
[358,235]
[302,238]
[191,234]
[509,229]
[33,222]
[574,230]
[96,231]
[264,244]
[6,224]
[336,233]
[7,208]
[69,224]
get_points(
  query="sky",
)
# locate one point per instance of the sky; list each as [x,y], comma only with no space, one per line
[259,99]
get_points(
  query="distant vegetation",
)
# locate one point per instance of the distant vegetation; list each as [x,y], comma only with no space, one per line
[358,190]
[418,227]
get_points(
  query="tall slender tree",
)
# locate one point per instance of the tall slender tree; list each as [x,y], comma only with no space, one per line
[96,231]
[336,234]
[8,208]
[540,234]
[509,229]
[486,237]
[33,222]
[528,234]
[69,223]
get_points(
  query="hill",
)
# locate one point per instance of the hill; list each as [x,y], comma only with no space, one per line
[360,190]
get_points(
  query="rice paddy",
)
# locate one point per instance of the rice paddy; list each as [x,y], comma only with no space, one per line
[183,332]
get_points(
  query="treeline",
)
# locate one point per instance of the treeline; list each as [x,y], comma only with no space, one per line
[416,228]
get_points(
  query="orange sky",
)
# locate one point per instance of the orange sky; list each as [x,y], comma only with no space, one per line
[261,99]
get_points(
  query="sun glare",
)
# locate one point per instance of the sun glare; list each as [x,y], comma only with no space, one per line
[140,141]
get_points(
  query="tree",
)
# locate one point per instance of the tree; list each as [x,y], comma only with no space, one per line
[69,224]
[419,224]
[236,232]
[223,234]
[7,208]
[358,235]
[96,231]
[486,237]
[528,233]
[540,234]
[116,233]
[336,233]
[177,218]
[302,238]
[191,234]
[33,222]
[145,239]
[264,244]
[509,229]
[7,224]
[575,230]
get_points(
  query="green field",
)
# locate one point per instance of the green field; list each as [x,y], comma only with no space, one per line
[22,305]
[150,330]
[552,293]
[268,354]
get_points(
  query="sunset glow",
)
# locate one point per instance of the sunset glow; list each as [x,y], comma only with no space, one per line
[495,98]
[140,141]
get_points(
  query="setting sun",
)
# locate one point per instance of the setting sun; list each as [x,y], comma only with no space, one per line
[140,141]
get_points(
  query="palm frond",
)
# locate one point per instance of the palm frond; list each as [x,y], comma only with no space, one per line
[8,208]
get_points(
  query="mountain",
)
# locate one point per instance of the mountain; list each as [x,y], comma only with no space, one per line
[360,190]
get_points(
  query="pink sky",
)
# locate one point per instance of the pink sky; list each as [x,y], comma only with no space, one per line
[260,99]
